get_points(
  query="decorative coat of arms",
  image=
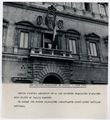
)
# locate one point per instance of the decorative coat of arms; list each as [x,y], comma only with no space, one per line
[39,20]
[50,18]
[60,24]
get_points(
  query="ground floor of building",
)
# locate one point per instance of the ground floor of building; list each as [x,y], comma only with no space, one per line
[17,69]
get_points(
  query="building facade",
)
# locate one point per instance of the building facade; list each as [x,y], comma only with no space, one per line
[55,43]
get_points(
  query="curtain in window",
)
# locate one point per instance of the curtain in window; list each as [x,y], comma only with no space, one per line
[24,40]
[72,46]
[93,50]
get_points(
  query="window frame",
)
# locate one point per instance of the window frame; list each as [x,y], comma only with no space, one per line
[91,53]
[90,7]
[72,34]
[93,38]
[73,52]
[24,40]
[104,8]
[4,30]
[26,27]
[54,45]
[43,41]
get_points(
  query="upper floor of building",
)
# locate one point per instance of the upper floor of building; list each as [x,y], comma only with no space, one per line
[28,30]
[83,9]
[91,10]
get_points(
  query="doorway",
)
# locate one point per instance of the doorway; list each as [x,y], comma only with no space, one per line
[52,79]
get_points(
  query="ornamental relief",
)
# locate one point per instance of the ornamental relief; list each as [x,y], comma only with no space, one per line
[50,19]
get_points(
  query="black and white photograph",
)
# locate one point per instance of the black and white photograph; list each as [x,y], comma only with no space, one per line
[55,42]
[55,59]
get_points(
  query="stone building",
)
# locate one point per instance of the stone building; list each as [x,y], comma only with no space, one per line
[55,43]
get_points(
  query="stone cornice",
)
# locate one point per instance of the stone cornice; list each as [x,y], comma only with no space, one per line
[61,14]
[86,63]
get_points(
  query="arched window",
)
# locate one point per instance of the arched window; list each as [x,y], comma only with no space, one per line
[72,39]
[24,34]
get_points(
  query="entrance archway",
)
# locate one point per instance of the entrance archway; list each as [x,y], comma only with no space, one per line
[52,79]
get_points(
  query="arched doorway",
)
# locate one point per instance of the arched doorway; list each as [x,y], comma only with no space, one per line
[52,79]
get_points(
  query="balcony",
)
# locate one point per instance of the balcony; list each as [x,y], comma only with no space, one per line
[53,54]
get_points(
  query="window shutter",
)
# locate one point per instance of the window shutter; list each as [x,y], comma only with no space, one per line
[17,37]
[26,42]
[22,37]
[74,46]
[93,50]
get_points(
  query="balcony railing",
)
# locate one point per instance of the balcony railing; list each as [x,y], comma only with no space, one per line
[53,53]
[50,53]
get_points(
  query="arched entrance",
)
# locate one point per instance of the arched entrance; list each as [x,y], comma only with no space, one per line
[52,79]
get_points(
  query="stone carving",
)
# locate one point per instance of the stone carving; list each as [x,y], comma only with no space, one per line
[60,24]
[51,17]
[39,20]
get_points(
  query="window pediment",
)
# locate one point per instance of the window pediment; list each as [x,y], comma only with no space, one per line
[92,36]
[25,24]
[104,3]
[72,33]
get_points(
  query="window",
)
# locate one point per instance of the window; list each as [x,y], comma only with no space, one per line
[93,50]
[72,42]
[24,34]
[87,7]
[69,4]
[93,46]
[102,9]
[24,40]
[4,32]
[47,40]
[73,4]
[72,46]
